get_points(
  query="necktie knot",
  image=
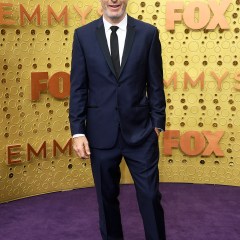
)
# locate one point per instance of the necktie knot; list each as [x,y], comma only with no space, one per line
[114,28]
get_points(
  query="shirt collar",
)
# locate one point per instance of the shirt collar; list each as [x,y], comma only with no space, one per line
[122,25]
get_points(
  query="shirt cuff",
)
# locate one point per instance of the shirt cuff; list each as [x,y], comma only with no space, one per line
[78,135]
[160,129]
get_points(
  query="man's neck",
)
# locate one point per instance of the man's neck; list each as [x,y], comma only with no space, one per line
[114,21]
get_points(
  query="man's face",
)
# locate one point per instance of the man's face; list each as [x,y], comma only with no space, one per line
[114,10]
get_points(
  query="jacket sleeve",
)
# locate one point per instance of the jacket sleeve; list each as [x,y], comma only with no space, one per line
[78,88]
[155,86]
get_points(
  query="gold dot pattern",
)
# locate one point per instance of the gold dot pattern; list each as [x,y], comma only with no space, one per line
[45,48]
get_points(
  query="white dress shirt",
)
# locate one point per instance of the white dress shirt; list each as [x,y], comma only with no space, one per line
[121,33]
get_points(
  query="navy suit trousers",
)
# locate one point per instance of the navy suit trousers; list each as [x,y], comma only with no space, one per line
[142,161]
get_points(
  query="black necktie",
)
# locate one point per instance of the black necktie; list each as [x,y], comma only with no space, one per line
[115,49]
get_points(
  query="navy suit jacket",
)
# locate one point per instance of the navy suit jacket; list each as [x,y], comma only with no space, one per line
[101,102]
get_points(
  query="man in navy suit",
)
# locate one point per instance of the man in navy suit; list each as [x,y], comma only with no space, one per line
[117,109]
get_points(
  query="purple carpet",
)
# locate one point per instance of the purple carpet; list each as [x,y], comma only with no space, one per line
[193,212]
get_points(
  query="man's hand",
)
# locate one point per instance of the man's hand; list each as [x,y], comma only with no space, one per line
[157,131]
[81,147]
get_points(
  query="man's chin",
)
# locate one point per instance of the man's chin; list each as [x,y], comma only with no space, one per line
[115,16]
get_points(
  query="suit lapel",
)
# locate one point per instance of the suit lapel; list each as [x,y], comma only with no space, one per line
[128,43]
[101,36]
[127,47]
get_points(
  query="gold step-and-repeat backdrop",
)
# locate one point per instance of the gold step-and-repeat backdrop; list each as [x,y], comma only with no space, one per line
[201,56]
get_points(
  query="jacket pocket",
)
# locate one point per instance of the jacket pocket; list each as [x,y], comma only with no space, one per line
[143,105]
[92,106]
